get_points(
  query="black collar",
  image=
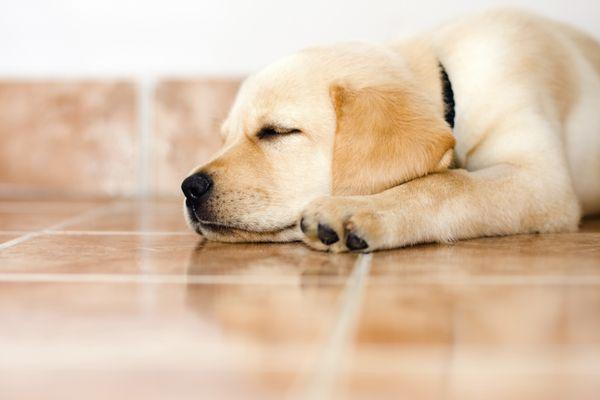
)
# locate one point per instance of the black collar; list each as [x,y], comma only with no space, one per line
[448,95]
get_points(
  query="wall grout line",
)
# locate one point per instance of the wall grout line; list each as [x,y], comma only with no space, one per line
[321,383]
[63,224]
[145,91]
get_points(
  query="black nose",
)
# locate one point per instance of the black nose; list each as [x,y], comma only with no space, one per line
[195,186]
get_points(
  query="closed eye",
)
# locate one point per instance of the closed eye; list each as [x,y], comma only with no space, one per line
[267,132]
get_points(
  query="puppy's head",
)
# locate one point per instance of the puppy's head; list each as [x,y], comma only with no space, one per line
[344,120]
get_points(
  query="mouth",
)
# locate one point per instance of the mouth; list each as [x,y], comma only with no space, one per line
[200,226]
[228,229]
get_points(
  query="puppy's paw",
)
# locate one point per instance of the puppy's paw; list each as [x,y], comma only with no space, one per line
[340,224]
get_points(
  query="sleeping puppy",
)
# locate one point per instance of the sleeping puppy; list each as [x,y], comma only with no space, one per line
[349,147]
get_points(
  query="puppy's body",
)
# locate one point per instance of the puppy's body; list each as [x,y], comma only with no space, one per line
[521,66]
[358,146]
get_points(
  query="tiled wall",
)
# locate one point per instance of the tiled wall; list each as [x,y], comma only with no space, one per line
[187,117]
[88,138]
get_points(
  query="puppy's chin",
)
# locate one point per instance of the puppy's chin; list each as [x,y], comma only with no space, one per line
[221,233]
[224,233]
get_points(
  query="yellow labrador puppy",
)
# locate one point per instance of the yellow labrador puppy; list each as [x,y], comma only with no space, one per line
[349,147]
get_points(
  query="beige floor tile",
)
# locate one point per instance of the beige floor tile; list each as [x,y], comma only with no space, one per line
[100,254]
[526,317]
[156,384]
[472,342]
[147,216]
[203,339]
[48,206]
[34,215]
[128,304]
[293,259]
[183,255]
[475,385]
[5,236]
[30,222]
[567,255]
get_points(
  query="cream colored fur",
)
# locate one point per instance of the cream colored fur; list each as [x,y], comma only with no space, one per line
[372,155]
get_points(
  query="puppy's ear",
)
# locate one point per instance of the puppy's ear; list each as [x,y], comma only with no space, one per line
[385,136]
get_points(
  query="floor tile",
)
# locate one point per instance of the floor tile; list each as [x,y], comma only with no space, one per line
[106,254]
[5,237]
[473,315]
[186,255]
[293,259]
[155,384]
[128,303]
[475,384]
[30,222]
[459,342]
[48,206]
[34,215]
[563,255]
[231,338]
[146,216]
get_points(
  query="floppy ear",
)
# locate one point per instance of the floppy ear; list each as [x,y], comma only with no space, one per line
[385,136]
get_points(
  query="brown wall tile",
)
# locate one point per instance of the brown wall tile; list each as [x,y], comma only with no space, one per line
[187,116]
[67,137]
[64,138]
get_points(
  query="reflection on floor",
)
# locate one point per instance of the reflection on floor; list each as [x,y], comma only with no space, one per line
[119,300]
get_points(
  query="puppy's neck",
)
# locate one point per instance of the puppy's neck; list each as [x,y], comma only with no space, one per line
[424,66]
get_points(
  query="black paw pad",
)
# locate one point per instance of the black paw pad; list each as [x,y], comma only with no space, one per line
[354,242]
[327,235]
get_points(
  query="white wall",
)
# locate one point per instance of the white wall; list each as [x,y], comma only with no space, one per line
[146,38]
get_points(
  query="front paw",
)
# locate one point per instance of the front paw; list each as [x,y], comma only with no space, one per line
[340,224]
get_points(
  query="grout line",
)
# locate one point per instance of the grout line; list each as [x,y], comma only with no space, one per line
[491,280]
[20,239]
[181,279]
[119,233]
[286,280]
[145,90]
[69,221]
[322,383]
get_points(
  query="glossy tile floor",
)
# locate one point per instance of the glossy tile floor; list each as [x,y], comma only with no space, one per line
[103,300]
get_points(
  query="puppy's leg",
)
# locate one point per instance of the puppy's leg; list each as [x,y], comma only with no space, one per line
[457,204]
